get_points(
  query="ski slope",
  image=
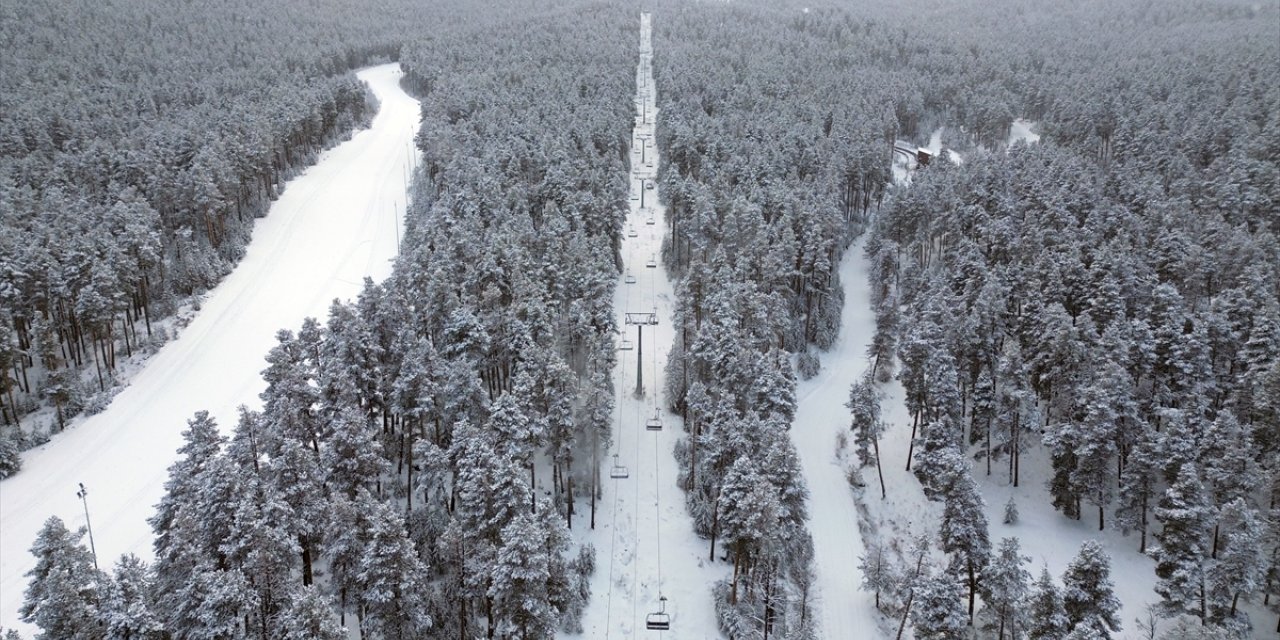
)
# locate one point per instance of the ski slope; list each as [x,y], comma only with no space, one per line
[645,544]
[334,224]
[843,610]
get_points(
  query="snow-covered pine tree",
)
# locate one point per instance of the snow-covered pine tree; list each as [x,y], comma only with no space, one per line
[1006,585]
[1096,428]
[308,615]
[878,571]
[1185,519]
[1237,572]
[965,536]
[352,455]
[10,451]
[1087,595]
[127,606]
[938,610]
[1230,470]
[1141,471]
[202,444]
[64,594]
[864,404]
[518,588]
[1045,611]
[376,570]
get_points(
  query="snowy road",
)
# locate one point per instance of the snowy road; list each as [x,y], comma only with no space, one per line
[843,610]
[645,544]
[334,224]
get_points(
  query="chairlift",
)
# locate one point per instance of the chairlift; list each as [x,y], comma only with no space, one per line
[631,233]
[625,345]
[618,471]
[652,263]
[654,423]
[658,620]
[651,221]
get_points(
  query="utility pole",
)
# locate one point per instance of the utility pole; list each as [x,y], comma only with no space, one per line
[83,494]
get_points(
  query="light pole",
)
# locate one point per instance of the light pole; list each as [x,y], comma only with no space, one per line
[83,494]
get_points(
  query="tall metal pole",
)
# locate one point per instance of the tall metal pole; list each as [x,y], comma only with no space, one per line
[639,361]
[83,494]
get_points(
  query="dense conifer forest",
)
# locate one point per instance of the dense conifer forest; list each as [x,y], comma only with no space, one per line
[1097,312]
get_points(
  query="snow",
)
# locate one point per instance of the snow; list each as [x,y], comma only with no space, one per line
[335,224]
[644,538]
[843,610]
[1022,131]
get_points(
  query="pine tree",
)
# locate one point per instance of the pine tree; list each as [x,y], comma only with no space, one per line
[748,512]
[376,569]
[65,589]
[939,463]
[127,608]
[202,442]
[878,574]
[1093,477]
[1238,570]
[965,535]
[1005,586]
[1046,613]
[938,612]
[1180,559]
[308,615]
[1230,470]
[1087,595]
[1011,511]
[352,454]
[1136,481]
[864,404]
[10,451]
[519,583]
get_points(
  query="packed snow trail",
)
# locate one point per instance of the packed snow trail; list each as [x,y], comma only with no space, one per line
[334,224]
[645,544]
[843,610]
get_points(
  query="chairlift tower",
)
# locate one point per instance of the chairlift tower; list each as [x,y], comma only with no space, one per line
[640,320]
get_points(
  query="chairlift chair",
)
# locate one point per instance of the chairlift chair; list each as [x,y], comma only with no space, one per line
[652,263]
[658,620]
[629,279]
[654,423]
[618,472]
[625,345]
[631,233]
[651,221]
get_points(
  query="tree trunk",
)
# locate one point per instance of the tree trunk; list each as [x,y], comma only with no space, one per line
[905,612]
[915,422]
[875,442]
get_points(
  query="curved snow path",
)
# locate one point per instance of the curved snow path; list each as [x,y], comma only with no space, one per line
[644,538]
[843,610]
[334,224]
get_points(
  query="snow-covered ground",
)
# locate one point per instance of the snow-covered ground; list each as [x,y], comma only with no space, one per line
[1023,130]
[334,224]
[645,544]
[843,610]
